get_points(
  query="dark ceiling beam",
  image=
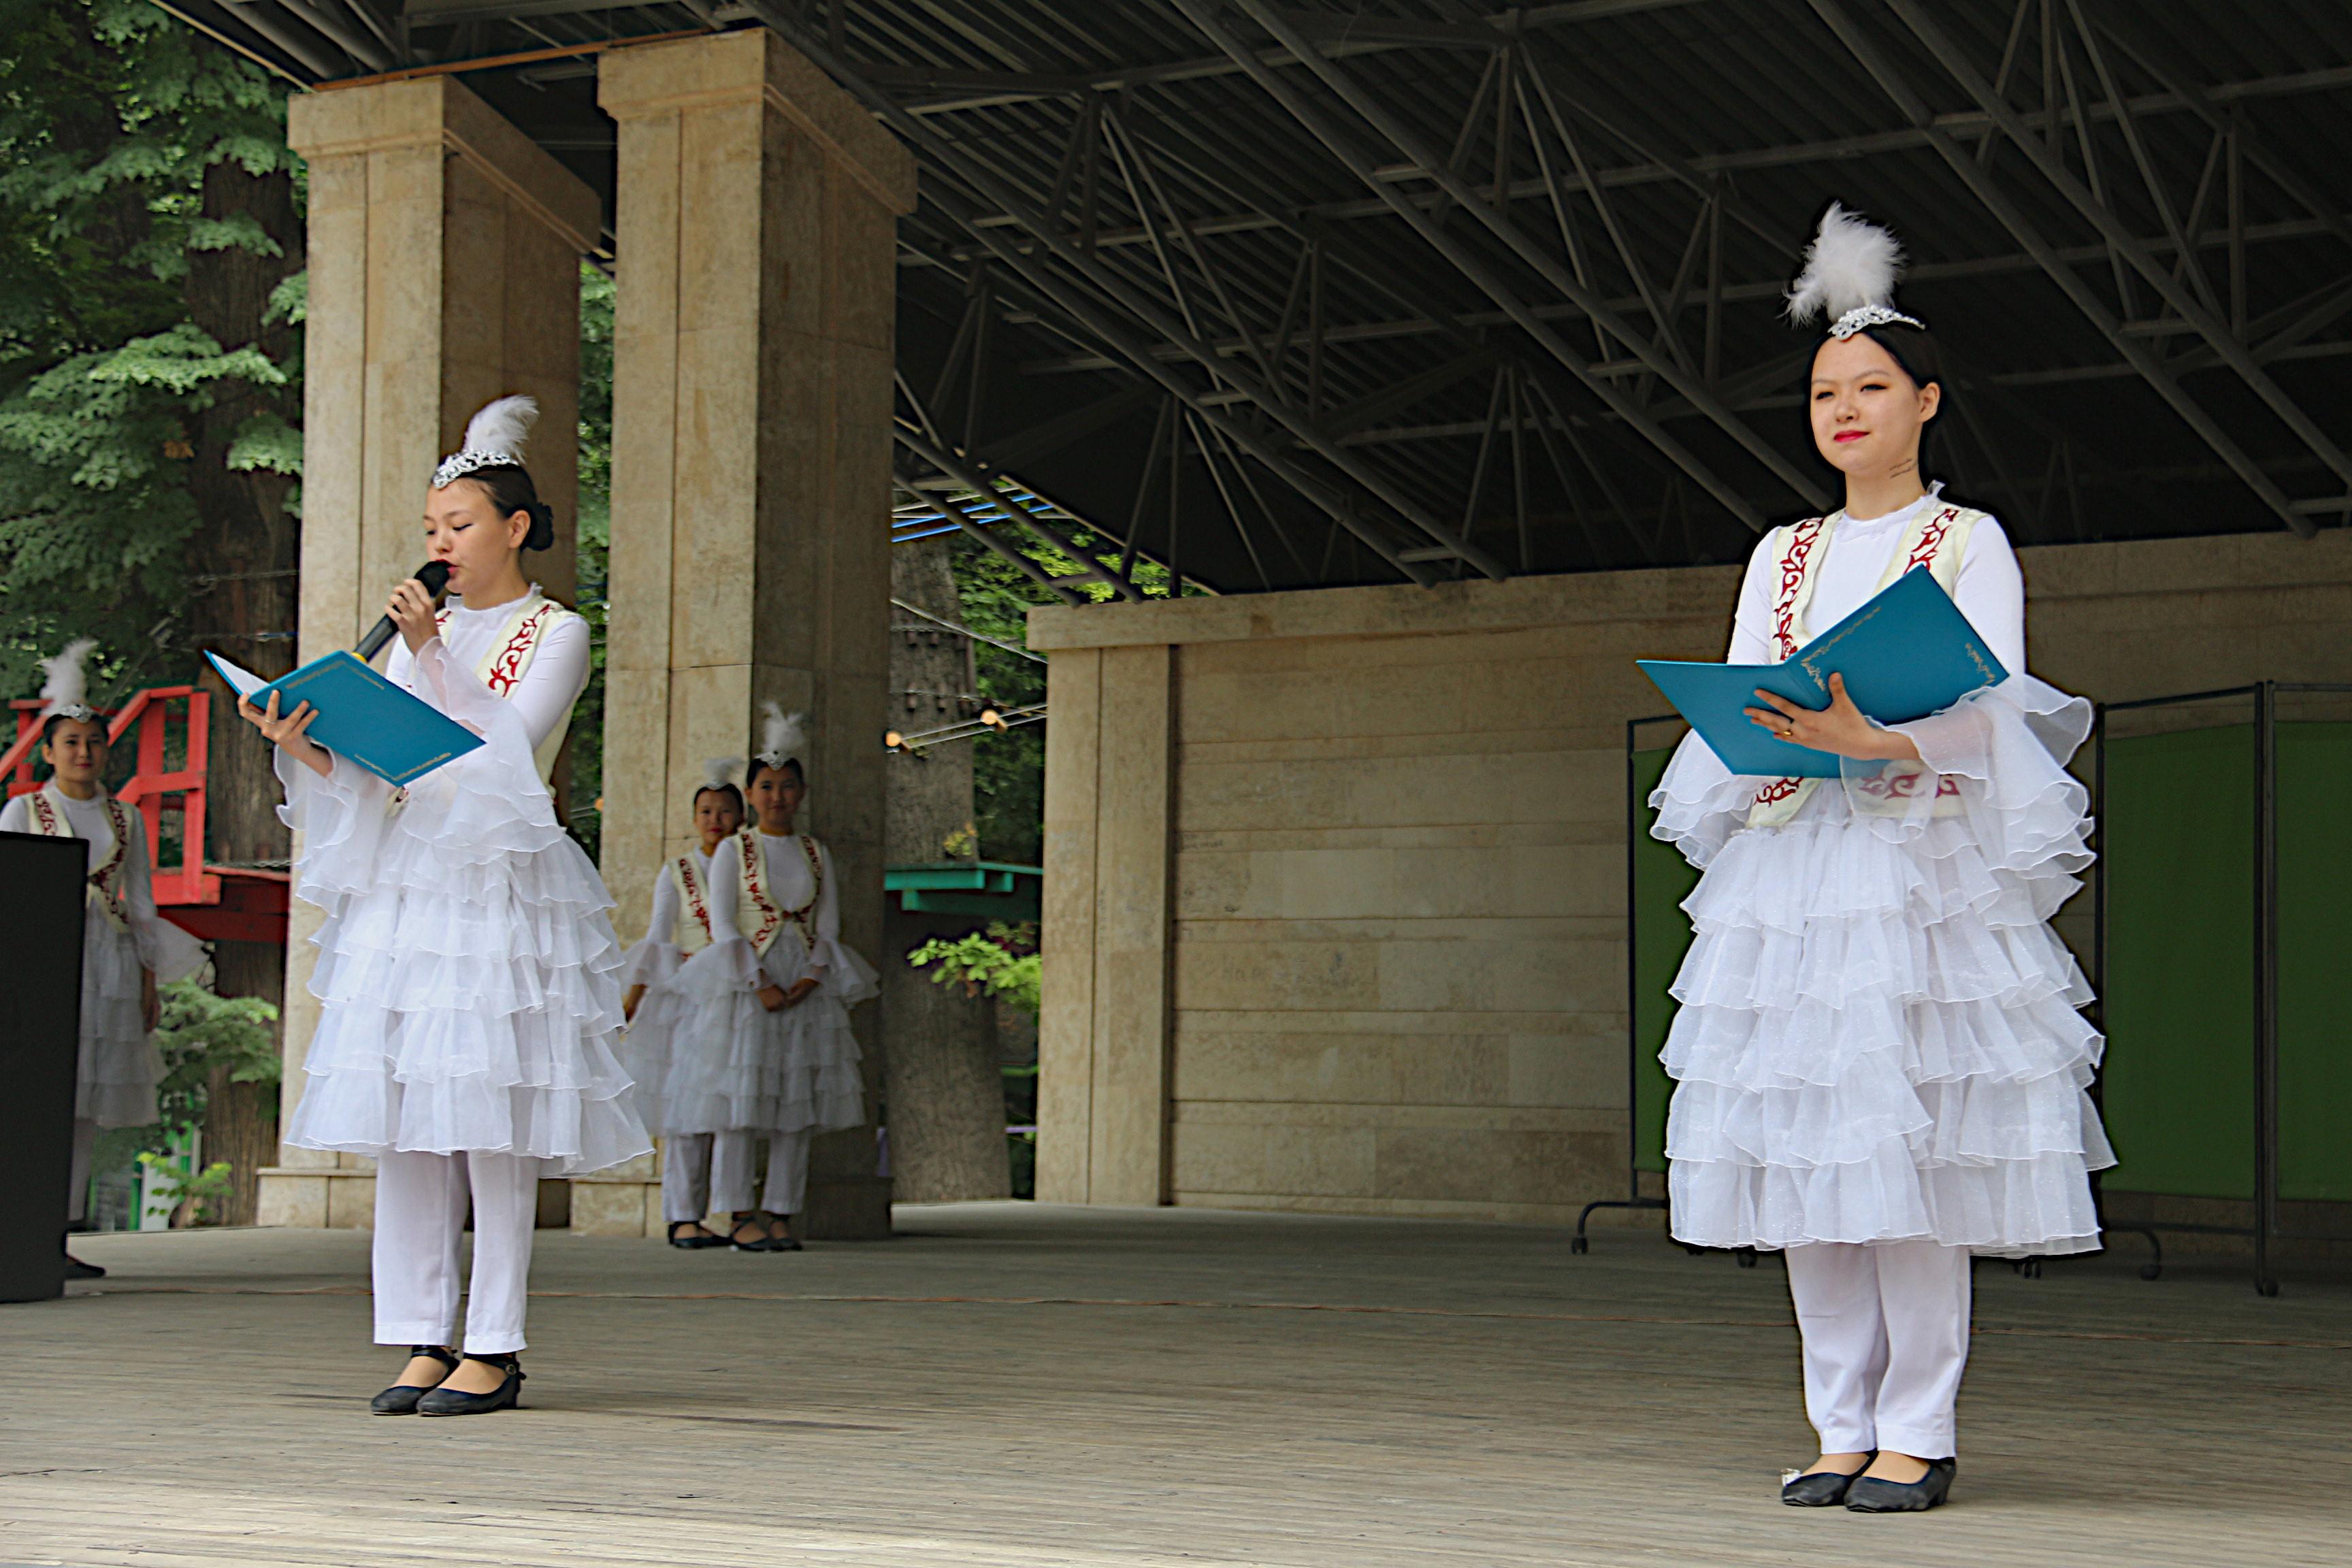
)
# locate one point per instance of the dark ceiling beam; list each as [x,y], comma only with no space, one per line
[1733,293]
[1839,149]
[1203,15]
[2223,343]
[1962,161]
[1046,240]
[302,44]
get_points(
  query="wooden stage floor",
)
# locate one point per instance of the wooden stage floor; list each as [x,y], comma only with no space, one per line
[1010,1385]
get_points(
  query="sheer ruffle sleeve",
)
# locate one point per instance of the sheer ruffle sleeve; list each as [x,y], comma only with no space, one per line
[840,972]
[1700,803]
[656,958]
[164,949]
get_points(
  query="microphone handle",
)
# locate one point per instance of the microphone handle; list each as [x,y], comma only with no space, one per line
[368,646]
[434,575]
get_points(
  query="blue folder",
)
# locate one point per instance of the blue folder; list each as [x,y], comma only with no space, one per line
[1908,653]
[362,715]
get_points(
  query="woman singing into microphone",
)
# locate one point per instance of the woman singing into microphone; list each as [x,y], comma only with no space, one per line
[467,969]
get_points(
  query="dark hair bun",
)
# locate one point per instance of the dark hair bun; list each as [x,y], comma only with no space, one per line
[543,526]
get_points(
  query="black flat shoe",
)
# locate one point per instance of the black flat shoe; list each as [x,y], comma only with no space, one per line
[696,1243]
[761,1241]
[1869,1494]
[507,1395]
[77,1270]
[401,1398]
[1819,1489]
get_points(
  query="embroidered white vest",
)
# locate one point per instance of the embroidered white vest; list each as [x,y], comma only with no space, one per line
[109,881]
[510,657]
[1937,539]
[694,895]
[756,914]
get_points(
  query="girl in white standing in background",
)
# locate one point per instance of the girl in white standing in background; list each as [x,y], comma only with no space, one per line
[678,928]
[1881,1068]
[764,1049]
[126,947]
[466,970]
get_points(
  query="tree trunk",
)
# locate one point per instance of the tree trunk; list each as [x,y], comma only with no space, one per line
[945,1093]
[242,561]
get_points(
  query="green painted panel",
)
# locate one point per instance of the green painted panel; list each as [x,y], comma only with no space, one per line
[2315,1051]
[2179,1081]
[1662,934]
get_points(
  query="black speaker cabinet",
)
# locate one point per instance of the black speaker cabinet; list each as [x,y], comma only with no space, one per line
[41,891]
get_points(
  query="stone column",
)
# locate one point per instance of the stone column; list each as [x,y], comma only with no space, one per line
[1105,1038]
[445,271]
[752,358]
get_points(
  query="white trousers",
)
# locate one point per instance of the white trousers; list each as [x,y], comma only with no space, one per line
[420,1215]
[703,1173]
[85,1145]
[1885,1328]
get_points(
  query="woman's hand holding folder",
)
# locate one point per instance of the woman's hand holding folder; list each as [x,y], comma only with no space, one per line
[288,732]
[1839,728]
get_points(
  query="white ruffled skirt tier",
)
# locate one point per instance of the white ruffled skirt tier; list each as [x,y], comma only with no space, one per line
[714,1060]
[467,969]
[1878,1038]
[119,1067]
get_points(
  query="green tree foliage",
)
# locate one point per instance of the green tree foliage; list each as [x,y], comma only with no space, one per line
[199,1032]
[585,803]
[113,119]
[1002,963]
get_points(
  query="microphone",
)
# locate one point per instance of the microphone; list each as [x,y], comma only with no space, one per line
[434,575]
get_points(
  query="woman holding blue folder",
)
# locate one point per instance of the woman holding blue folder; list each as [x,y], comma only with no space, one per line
[1881,1068]
[467,970]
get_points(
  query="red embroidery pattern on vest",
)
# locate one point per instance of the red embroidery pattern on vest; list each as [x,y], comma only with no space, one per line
[697,904]
[1778,790]
[1802,540]
[118,816]
[506,669]
[1931,538]
[755,873]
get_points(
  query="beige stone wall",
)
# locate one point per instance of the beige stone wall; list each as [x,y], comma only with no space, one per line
[1389,840]
[443,263]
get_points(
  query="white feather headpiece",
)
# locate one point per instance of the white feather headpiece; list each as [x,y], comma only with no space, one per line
[65,690]
[783,737]
[1851,269]
[494,439]
[719,772]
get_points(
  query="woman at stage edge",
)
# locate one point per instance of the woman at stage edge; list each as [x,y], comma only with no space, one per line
[126,946]
[762,1047]
[466,968]
[1882,1069]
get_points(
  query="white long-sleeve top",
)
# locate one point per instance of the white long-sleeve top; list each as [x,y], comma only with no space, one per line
[543,698]
[668,906]
[657,957]
[1990,591]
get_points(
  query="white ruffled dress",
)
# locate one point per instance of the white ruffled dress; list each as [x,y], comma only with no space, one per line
[1878,1038]
[733,1064]
[467,967]
[654,963]
[117,1066]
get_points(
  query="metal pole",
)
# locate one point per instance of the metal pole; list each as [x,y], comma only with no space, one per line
[2265,984]
[1632,976]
